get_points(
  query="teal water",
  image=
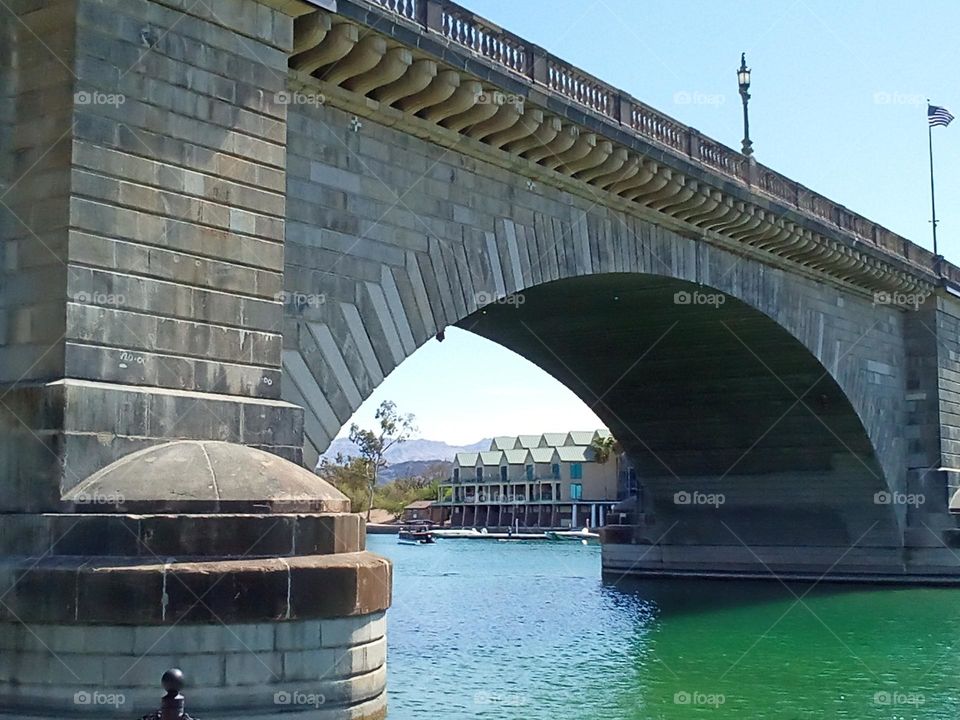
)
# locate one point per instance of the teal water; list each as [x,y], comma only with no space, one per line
[529,631]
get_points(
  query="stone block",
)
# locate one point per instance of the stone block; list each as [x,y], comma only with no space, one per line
[347,632]
[253,668]
[297,635]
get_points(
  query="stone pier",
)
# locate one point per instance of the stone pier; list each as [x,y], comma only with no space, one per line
[241,567]
[142,220]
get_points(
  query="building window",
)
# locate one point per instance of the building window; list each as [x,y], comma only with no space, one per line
[479,474]
[576,491]
[556,471]
[530,472]
[576,471]
[456,474]
[503,473]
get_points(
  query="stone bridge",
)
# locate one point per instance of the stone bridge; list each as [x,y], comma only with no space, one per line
[227,223]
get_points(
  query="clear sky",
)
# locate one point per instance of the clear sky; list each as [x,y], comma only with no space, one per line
[839,91]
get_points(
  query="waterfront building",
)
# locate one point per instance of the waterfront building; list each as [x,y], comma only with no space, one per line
[419,511]
[552,480]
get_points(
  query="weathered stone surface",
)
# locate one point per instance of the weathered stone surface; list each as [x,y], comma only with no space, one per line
[205,476]
[104,591]
[143,165]
[183,536]
[240,668]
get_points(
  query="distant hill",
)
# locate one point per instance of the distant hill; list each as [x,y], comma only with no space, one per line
[411,450]
[416,468]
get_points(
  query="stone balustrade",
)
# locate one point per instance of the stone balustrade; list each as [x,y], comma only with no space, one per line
[546,72]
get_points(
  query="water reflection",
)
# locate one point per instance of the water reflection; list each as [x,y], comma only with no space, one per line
[527,631]
[678,596]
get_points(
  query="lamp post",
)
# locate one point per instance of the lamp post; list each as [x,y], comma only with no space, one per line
[743,79]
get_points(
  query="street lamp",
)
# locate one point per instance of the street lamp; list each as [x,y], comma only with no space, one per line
[743,78]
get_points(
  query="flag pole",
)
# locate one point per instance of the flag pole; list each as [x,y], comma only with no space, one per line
[933,200]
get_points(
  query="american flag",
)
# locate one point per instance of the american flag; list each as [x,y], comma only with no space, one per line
[938,116]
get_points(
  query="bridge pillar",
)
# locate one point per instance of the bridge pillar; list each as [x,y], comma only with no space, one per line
[142,220]
[143,224]
[932,333]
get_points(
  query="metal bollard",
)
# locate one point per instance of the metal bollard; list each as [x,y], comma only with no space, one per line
[171,706]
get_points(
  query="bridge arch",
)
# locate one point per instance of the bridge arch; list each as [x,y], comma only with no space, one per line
[371,276]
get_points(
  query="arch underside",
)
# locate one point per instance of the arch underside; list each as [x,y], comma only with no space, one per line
[711,398]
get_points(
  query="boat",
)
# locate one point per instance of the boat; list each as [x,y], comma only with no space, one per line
[458,533]
[415,537]
[584,536]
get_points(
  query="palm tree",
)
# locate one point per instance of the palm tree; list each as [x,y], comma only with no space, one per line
[604,447]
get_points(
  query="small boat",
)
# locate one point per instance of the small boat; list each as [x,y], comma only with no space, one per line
[458,533]
[583,536]
[415,537]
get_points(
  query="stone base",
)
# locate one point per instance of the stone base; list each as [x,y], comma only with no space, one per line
[931,565]
[328,669]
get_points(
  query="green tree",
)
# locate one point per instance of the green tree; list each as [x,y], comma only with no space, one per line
[373,445]
[349,475]
[395,496]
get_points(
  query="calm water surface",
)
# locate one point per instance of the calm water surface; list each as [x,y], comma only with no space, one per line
[524,631]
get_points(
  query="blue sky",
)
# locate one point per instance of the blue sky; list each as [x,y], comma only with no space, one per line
[838,103]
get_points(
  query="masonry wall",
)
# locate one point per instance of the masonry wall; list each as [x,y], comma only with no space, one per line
[402,237]
[36,113]
[325,669]
[143,247]
[176,254]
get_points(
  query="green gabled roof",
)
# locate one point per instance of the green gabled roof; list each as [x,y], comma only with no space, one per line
[603,432]
[543,454]
[466,459]
[516,457]
[504,442]
[575,453]
[581,437]
[491,457]
[528,441]
[554,439]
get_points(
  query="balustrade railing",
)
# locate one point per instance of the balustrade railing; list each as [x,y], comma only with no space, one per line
[512,52]
[486,39]
[579,87]
[658,127]
[404,8]
[721,158]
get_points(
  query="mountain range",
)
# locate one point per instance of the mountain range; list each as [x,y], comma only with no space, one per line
[418,449]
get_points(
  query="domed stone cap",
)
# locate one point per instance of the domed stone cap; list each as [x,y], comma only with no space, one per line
[201,476]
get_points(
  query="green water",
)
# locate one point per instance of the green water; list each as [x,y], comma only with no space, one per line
[514,631]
